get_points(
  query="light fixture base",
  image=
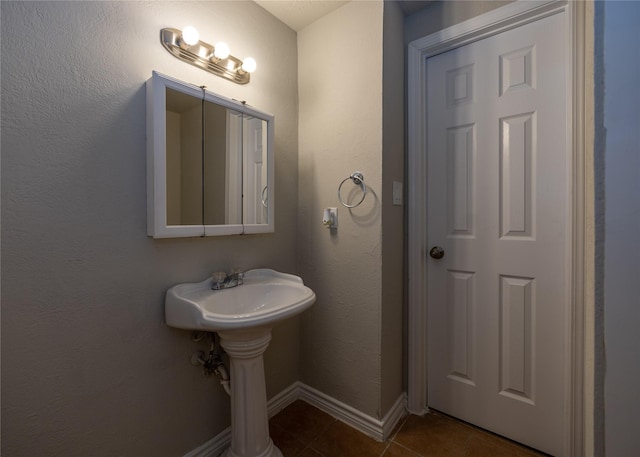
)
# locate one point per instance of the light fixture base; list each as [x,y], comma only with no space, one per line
[199,55]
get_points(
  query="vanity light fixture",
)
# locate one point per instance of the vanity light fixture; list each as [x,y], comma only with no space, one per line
[189,37]
[248,65]
[186,46]
[221,50]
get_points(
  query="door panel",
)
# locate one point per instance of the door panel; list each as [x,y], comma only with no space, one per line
[497,155]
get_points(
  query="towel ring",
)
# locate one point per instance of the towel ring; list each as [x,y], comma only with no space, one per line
[263,198]
[358,180]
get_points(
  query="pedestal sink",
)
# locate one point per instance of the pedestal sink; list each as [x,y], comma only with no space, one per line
[242,317]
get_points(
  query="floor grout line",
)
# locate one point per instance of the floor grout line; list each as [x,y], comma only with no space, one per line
[398,428]
[318,437]
[385,448]
[409,449]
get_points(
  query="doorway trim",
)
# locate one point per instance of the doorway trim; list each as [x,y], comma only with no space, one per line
[580,338]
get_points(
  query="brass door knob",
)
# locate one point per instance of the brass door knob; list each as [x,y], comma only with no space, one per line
[436,252]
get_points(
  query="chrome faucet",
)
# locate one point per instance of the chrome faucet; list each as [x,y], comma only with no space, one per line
[222,280]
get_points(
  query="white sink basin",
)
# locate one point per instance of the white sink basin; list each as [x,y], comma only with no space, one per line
[266,297]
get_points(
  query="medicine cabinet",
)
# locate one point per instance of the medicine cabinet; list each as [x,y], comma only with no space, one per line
[209,163]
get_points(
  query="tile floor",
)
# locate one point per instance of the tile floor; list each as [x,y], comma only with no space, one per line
[301,430]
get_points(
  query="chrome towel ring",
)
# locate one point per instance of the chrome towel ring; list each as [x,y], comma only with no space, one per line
[358,180]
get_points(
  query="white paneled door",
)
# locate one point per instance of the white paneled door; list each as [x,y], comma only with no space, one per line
[498,207]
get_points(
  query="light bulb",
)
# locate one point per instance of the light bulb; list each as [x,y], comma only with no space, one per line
[249,65]
[221,50]
[190,36]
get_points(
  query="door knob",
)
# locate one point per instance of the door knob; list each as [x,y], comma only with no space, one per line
[436,252]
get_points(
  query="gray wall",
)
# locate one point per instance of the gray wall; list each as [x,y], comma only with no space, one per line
[393,117]
[341,132]
[88,365]
[622,228]
[352,342]
[443,14]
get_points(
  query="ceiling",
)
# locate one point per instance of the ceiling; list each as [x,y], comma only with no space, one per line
[297,14]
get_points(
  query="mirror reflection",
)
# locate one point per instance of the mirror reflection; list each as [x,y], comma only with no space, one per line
[255,170]
[210,163]
[184,159]
[222,165]
[204,162]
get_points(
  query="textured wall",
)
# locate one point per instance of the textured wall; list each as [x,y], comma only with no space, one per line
[88,365]
[622,227]
[443,14]
[393,131]
[341,132]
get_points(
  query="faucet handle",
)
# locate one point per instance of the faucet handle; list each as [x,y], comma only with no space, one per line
[219,276]
[239,274]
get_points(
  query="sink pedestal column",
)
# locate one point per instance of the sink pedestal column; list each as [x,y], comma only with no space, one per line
[249,420]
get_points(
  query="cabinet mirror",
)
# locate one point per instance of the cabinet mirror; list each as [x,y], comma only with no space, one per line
[210,163]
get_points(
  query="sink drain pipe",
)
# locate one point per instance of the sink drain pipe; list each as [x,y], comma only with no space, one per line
[223,374]
[213,363]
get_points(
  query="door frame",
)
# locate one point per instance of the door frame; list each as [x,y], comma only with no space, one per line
[581,313]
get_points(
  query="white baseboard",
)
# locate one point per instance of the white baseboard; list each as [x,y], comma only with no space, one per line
[214,447]
[379,429]
[284,399]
